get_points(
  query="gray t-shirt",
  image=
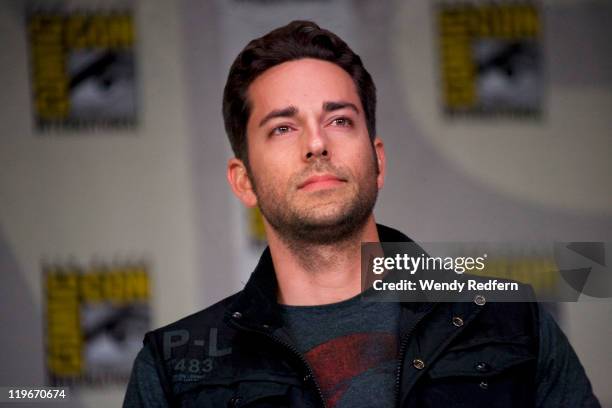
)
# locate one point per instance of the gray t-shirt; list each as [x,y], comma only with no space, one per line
[351,347]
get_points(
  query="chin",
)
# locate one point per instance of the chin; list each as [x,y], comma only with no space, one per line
[325,216]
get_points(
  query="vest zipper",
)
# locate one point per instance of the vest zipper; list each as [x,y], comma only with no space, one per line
[402,352]
[293,351]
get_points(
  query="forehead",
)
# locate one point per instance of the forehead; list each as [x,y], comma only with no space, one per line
[302,83]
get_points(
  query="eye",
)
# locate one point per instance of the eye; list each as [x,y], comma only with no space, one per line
[280,130]
[342,122]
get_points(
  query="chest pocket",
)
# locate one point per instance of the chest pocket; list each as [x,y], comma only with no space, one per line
[490,372]
[252,391]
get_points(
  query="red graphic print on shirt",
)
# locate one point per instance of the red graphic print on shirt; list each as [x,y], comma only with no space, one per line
[338,361]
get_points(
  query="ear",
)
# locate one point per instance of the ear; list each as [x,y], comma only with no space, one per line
[379,149]
[238,179]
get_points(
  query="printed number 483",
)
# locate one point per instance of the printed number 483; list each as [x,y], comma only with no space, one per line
[193,365]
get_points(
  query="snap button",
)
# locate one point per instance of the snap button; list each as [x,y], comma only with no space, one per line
[234,402]
[480,300]
[418,364]
[457,321]
[484,385]
[482,367]
[237,315]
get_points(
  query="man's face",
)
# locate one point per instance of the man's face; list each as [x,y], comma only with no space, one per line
[313,168]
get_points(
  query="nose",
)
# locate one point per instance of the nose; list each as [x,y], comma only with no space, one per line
[316,145]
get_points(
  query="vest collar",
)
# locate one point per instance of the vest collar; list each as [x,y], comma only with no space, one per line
[256,305]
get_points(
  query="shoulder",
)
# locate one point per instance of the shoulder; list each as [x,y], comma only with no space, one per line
[194,332]
[212,315]
[561,378]
[180,354]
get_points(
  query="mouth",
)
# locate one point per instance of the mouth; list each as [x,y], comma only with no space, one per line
[320,182]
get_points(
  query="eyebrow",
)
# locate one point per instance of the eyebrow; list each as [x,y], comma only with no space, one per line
[333,106]
[287,112]
[291,111]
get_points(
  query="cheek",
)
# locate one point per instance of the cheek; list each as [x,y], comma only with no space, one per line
[272,166]
[267,155]
[361,159]
[270,172]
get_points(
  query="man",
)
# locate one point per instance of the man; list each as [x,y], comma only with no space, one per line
[299,109]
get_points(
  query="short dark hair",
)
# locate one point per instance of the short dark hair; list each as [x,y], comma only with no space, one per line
[296,40]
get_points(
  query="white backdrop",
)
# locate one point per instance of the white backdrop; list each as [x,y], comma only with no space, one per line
[161,192]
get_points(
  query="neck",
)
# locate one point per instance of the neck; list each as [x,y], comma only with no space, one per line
[317,274]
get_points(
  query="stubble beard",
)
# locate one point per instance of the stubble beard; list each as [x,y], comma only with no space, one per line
[338,222]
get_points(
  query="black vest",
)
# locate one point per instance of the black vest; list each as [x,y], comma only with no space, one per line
[237,354]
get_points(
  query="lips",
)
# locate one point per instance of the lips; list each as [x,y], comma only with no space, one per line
[320,181]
